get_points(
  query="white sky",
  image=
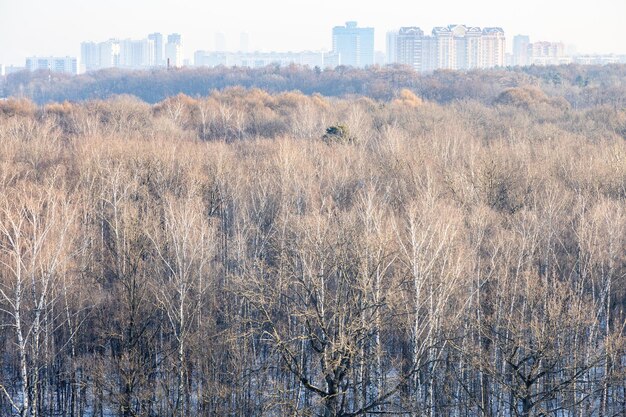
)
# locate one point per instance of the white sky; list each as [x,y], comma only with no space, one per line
[56,27]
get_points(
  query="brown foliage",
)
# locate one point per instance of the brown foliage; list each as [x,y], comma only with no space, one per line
[529,97]
[17,107]
[212,256]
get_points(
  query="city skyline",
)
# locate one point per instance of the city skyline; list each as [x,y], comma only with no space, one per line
[455,47]
[64,24]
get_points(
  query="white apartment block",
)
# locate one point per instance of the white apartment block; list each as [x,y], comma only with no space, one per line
[109,54]
[547,53]
[494,47]
[130,53]
[391,49]
[406,46]
[157,40]
[96,56]
[445,48]
[137,54]
[173,55]
[174,51]
[67,64]
[520,50]
[455,47]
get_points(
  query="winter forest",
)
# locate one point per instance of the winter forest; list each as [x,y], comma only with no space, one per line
[406,250]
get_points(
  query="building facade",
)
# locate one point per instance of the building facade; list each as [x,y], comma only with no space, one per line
[130,53]
[520,50]
[136,54]
[391,41]
[547,53]
[493,47]
[99,55]
[67,64]
[454,47]
[174,51]
[407,48]
[89,56]
[157,40]
[354,45]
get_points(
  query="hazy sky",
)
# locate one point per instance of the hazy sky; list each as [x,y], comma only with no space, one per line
[56,27]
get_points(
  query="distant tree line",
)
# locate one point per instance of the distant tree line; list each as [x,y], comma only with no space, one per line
[581,86]
[249,253]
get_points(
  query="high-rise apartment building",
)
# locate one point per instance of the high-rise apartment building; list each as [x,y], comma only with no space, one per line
[392,47]
[354,45]
[136,54]
[547,53]
[174,50]
[114,53]
[109,53]
[459,47]
[67,64]
[520,50]
[456,47]
[157,38]
[89,56]
[408,47]
[472,50]
[445,48]
[493,47]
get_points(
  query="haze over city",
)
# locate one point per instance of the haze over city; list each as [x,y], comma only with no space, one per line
[31,27]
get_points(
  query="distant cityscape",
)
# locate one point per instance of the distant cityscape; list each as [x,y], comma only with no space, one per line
[454,47]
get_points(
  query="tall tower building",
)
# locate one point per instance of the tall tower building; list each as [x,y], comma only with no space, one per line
[354,45]
[135,54]
[467,47]
[494,47]
[157,38]
[391,44]
[445,47]
[409,51]
[174,50]
[520,50]
[109,54]
[461,52]
[89,56]
[473,48]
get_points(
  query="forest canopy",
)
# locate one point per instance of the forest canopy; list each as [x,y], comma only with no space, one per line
[259,252]
[581,86]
